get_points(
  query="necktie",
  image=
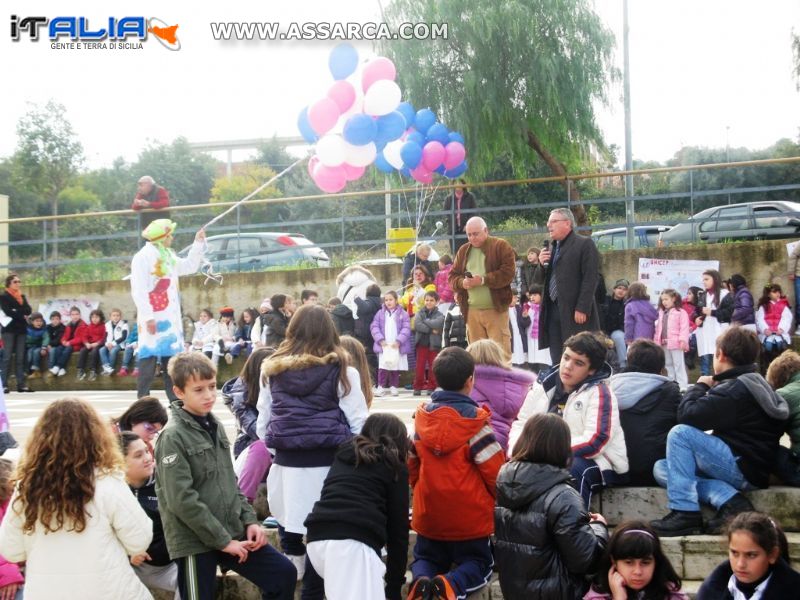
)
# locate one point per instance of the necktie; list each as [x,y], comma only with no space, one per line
[552,288]
[458,212]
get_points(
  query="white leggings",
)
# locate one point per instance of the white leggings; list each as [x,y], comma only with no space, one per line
[676,368]
[350,569]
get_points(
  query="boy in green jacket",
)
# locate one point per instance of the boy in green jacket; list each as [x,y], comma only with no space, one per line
[207,521]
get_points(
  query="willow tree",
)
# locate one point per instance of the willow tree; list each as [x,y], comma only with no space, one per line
[517,77]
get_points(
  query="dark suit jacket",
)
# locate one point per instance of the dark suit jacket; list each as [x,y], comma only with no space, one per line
[576,273]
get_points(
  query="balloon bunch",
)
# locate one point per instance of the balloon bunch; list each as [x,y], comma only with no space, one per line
[361,120]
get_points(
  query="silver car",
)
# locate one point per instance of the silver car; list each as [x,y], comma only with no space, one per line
[645,236]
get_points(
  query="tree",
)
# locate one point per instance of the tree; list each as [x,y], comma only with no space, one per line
[796,53]
[521,77]
[246,179]
[48,155]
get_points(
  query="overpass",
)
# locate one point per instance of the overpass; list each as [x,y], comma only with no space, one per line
[244,144]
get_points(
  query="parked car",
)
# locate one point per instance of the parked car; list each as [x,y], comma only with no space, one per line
[768,219]
[645,236]
[259,251]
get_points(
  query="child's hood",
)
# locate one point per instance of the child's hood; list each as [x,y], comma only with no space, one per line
[770,401]
[443,430]
[311,379]
[519,482]
[630,387]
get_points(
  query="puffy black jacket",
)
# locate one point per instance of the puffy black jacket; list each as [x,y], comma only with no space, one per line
[783,584]
[612,315]
[277,322]
[365,311]
[343,319]
[455,329]
[545,544]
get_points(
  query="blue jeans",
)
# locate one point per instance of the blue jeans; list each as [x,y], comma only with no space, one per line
[109,357]
[61,356]
[618,337]
[707,364]
[33,358]
[127,357]
[589,478]
[699,468]
[774,343]
[467,564]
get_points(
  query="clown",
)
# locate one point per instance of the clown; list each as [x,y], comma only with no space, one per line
[154,286]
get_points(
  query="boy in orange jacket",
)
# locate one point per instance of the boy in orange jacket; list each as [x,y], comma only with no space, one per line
[452,466]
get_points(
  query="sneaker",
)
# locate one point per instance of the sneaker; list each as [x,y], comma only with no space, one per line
[734,506]
[418,392]
[299,563]
[81,375]
[421,589]
[123,372]
[54,371]
[92,376]
[107,370]
[679,522]
[6,390]
[24,390]
[62,372]
[393,391]
[135,372]
[442,589]
[270,522]
[228,358]
[378,392]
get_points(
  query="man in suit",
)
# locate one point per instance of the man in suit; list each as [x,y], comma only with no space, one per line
[570,281]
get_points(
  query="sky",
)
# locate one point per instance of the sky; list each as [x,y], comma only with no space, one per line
[706,73]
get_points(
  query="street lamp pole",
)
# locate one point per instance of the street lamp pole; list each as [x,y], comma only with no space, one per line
[629,206]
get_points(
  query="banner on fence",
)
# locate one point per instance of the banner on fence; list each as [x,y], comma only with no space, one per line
[661,274]
[63,305]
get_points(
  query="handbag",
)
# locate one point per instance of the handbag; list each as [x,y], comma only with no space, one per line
[391,358]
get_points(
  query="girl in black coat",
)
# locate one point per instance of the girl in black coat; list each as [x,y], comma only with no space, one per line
[546,541]
[758,561]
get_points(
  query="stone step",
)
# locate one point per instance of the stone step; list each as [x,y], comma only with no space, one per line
[649,503]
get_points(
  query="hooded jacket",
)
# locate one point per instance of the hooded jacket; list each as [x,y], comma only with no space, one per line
[501,392]
[378,329]
[75,334]
[428,325]
[234,394]
[545,544]
[455,328]
[277,322]
[343,319]
[591,412]
[745,413]
[640,319]
[452,468]
[366,308]
[677,334]
[743,311]
[648,409]
[791,393]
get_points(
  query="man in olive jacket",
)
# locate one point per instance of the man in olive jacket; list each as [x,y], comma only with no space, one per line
[570,281]
[484,297]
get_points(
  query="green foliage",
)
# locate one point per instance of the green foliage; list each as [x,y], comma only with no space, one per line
[188,175]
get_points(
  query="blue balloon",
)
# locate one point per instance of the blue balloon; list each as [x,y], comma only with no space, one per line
[382,164]
[407,110]
[438,133]
[424,119]
[411,153]
[304,126]
[416,137]
[390,127]
[456,171]
[379,146]
[456,137]
[405,172]
[440,170]
[343,61]
[360,130]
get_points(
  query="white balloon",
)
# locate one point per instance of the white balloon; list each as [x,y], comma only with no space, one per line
[331,150]
[391,152]
[360,156]
[381,98]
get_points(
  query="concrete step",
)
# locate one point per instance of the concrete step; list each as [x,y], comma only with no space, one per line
[649,503]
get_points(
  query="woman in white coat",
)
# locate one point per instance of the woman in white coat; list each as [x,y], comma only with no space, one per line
[716,309]
[72,518]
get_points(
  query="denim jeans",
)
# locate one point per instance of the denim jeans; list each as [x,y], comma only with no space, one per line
[127,357]
[796,296]
[706,364]
[699,468]
[774,343]
[618,337]
[33,358]
[109,357]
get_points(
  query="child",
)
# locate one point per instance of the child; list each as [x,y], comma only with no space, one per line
[783,375]
[145,417]
[635,566]
[55,331]
[71,341]
[452,466]
[774,320]
[277,318]
[131,350]
[207,521]
[455,328]
[640,315]
[308,297]
[692,309]
[116,334]
[358,359]
[312,403]
[672,333]
[89,355]
[748,419]
[242,342]
[546,541]
[11,579]
[223,338]
[519,322]
[362,508]
[36,343]
[391,330]
[204,331]
[342,317]
[414,296]
[154,567]
[531,272]
[428,325]
[757,565]
[72,518]
[743,312]
[366,309]
[498,388]
[577,389]
[442,286]
[715,308]
[537,359]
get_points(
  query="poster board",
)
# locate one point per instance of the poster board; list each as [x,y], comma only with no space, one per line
[63,305]
[661,274]
[790,247]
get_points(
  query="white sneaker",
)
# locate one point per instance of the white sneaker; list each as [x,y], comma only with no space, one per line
[107,370]
[378,392]
[54,371]
[299,563]
[229,358]
[62,372]
[393,391]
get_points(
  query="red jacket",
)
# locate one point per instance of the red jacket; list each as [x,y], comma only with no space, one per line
[452,467]
[159,198]
[75,334]
[95,333]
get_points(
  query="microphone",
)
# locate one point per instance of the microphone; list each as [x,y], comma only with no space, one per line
[546,246]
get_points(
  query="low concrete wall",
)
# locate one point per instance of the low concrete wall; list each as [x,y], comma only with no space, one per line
[758,262]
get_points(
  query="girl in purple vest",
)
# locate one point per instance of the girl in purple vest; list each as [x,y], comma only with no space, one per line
[312,402]
[391,330]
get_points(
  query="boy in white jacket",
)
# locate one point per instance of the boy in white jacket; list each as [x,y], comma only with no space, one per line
[577,389]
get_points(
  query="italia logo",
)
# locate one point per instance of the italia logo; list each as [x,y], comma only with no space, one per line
[111,32]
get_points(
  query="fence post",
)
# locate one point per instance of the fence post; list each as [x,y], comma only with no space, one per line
[691,200]
[238,236]
[341,203]
[44,250]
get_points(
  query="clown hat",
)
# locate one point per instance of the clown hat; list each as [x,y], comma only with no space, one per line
[158,229]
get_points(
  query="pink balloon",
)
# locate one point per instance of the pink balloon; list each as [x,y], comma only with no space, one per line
[343,93]
[352,173]
[330,179]
[312,164]
[422,174]
[377,69]
[322,115]
[432,155]
[454,154]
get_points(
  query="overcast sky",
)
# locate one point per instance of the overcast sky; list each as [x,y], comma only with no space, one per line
[703,72]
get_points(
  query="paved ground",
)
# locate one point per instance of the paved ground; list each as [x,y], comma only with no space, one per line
[24,409]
